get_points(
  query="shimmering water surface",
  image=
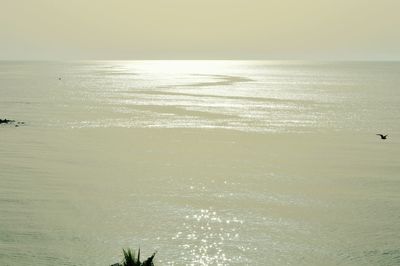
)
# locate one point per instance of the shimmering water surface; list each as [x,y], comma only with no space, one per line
[208,162]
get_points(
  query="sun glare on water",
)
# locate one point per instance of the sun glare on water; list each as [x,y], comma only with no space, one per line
[180,66]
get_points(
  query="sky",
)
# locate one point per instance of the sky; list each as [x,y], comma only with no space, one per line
[199,29]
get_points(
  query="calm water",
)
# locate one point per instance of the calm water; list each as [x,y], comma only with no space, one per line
[208,162]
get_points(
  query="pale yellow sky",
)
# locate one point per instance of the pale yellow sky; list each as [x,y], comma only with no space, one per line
[200,29]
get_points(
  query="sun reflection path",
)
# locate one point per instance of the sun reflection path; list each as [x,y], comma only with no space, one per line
[206,237]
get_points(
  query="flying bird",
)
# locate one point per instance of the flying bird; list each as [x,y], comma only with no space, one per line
[382,136]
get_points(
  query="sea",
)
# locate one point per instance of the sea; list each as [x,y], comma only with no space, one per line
[204,162]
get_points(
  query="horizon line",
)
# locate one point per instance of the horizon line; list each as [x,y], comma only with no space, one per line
[264,60]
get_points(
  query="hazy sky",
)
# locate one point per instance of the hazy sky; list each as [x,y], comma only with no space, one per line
[200,29]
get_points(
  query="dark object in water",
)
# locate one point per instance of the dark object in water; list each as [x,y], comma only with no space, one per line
[382,136]
[6,121]
[9,122]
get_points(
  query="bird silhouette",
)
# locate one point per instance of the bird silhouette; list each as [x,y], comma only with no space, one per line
[382,136]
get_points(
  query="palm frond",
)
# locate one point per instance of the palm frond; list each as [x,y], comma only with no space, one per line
[149,261]
[129,258]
